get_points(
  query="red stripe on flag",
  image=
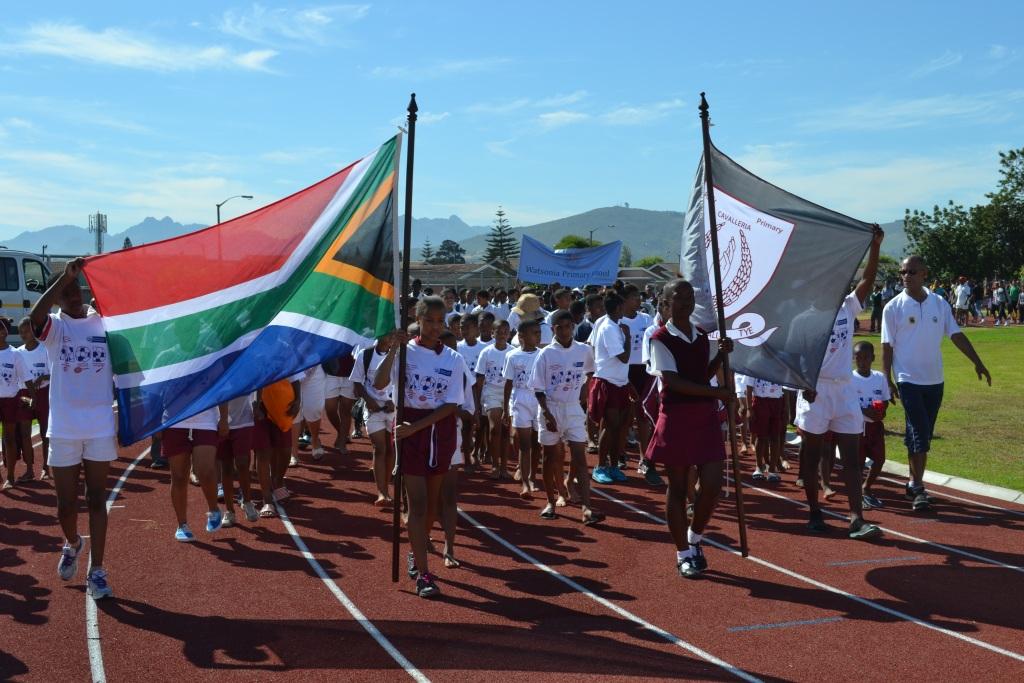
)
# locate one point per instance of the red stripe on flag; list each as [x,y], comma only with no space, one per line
[211,259]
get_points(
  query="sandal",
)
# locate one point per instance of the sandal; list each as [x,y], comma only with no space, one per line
[450,562]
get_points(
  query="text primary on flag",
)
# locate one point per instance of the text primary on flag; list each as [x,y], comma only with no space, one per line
[786,265]
[196,320]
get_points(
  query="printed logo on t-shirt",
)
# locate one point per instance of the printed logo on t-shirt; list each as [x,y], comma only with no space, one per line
[79,358]
[563,379]
[442,371]
[426,388]
[492,373]
[7,373]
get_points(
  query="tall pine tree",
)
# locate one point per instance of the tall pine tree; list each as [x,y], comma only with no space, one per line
[501,244]
[427,252]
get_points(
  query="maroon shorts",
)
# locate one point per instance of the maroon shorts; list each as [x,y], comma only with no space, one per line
[640,379]
[766,416]
[605,396]
[41,407]
[13,409]
[237,444]
[266,436]
[687,434]
[178,441]
[872,443]
[429,451]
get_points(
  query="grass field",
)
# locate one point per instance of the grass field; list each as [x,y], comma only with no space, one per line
[978,435]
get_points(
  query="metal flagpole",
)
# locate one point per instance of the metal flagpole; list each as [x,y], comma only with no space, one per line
[396,515]
[709,209]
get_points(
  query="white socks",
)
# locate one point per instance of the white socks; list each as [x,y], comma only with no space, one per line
[693,538]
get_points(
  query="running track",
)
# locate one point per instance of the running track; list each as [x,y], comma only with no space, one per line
[938,598]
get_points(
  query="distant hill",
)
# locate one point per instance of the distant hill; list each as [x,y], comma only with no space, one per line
[74,239]
[438,230]
[647,233]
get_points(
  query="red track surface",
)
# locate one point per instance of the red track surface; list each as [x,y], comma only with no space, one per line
[244,604]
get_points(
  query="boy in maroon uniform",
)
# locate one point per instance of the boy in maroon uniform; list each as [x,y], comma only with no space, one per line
[688,432]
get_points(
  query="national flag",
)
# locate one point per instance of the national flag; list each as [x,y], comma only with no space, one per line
[199,319]
[786,265]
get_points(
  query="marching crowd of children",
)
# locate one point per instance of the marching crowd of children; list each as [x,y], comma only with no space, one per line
[488,383]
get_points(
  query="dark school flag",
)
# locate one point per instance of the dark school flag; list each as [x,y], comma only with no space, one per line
[786,264]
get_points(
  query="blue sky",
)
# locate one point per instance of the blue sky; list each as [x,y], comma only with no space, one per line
[547,108]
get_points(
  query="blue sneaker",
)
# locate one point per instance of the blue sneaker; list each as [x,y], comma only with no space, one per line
[601,475]
[96,584]
[184,534]
[617,475]
[214,520]
[68,565]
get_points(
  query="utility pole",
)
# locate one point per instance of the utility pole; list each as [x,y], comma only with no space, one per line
[98,225]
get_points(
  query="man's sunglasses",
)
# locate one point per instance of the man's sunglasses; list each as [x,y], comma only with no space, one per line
[908,272]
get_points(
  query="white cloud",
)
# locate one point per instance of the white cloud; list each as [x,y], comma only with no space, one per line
[15,122]
[872,187]
[500,148]
[314,25]
[642,114]
[557,119]
[441,69]
[888,114]
[947,60]
[52,160]
[118,47]
[509,106]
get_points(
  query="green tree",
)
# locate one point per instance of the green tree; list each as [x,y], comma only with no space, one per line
[450,252]
[127,243]
[501,244]
[575,242]
[427,252]
[979,241]
[648,261]
[625,257]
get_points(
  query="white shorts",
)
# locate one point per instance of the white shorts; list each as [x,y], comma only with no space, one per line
[524,415]
[570,420]
[70,452]
[835,409]
[338,386]
[492,397]
[378,421]
[312,395]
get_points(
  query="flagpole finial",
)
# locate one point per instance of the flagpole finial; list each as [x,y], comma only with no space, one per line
[703,106]
[412,109]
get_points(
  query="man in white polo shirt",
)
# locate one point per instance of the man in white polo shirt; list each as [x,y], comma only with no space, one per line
[81,428]
[913,325]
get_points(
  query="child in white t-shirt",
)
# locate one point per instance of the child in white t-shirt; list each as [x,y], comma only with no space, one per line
[378,414]
[491,389]
[873,394]
[520,404]
[560,377]
[15,412]
[470,349]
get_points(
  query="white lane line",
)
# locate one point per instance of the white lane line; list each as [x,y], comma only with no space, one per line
[916,539]
[675,640]
[944,494]
[831,589]
[92,620]
[359,617]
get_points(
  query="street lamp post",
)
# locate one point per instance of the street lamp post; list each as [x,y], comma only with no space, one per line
[243,196]
[592,235]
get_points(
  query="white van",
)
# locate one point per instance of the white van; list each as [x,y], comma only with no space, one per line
[23,278]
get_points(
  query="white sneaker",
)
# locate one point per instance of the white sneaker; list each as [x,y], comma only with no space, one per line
[250,511]
[318,453]
[68,565]
[293,462]
[229,519]
[96,584]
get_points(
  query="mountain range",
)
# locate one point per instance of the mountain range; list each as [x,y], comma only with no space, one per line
[645,232]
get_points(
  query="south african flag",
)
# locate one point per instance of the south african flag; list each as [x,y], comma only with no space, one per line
[199,319]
